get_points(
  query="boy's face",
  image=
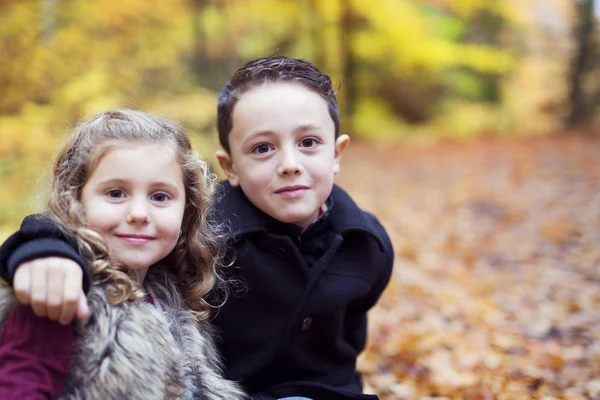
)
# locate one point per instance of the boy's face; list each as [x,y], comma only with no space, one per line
[283,151]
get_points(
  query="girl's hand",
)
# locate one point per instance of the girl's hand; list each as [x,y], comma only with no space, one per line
[53,287]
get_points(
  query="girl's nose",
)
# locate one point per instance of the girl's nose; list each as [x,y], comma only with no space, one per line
[138,211]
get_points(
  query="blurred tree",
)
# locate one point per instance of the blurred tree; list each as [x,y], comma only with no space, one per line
[348,22]
[419,58]
[64,60]
[585,60]
[407,68]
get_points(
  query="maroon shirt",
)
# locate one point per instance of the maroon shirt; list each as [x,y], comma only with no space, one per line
[35,356]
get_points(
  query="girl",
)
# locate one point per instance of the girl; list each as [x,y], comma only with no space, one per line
[137,196]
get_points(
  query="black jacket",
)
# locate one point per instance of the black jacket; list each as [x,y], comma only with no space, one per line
[39,237]
[296,319]
[301,322]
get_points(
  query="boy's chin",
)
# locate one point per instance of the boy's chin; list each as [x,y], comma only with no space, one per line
[302,220]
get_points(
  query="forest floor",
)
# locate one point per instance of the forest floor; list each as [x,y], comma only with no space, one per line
[496,285]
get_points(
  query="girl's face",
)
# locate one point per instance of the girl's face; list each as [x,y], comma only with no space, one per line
[135,199]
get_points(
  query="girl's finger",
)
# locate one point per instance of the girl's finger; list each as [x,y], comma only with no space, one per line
[22,283]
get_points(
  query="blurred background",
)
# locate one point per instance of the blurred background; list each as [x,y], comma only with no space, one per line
[474,128]
[407,70]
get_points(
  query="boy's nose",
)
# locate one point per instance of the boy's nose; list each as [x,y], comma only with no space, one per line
[289,164]
[138,211]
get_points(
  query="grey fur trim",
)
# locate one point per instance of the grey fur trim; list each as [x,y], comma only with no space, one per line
[143,351]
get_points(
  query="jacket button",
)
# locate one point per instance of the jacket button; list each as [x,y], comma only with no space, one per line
[306,323]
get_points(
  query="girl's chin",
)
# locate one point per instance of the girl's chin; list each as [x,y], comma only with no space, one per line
[135,265]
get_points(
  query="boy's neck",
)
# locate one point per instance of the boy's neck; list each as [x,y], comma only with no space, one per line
[291,229]
[322,211]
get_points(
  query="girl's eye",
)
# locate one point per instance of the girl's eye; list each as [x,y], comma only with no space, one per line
[115,193]
[262,149]
[308,142]
[160,197]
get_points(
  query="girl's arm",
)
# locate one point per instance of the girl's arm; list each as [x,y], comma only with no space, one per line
[39,237]
[41,262]
[36,354]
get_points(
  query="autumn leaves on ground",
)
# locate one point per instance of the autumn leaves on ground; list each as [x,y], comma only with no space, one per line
[496,288]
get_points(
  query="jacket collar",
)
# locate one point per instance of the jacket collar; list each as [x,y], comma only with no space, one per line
[243,217]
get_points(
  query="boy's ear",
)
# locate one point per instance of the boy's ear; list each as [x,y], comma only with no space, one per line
[227,166]
[340,145]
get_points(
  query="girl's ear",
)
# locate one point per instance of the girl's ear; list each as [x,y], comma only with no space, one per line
[340,145]
[227,166]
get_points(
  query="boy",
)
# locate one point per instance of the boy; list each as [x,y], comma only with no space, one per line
[312,263]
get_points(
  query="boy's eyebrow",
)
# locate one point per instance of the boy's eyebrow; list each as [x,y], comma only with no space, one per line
[299,128]
[256,134]
[308,127]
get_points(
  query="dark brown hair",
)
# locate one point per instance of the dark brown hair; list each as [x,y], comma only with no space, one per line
[272,69]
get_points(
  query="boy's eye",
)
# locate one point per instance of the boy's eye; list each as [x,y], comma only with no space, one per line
[262,148]
[160,197]
[308,142]
[115,193]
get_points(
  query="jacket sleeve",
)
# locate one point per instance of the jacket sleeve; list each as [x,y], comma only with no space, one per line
[36,354]
[39,237]
[356,320]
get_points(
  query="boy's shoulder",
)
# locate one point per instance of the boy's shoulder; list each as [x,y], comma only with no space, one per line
[241,216]
[233,209]
[346,216]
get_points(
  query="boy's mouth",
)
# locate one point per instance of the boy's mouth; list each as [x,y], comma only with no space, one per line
[292,191]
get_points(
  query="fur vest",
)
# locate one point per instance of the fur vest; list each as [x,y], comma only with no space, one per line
[139,350]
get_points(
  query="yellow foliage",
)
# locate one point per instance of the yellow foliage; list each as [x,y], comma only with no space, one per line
[379,121]
[464,120]
[195,110]
[83,88]
[399,33]
[63,61]
[469,8]
[536,95]
[481,58]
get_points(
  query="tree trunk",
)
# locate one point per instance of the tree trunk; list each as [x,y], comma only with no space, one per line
[348,65]
[48,19]
[316,32]
[581,60]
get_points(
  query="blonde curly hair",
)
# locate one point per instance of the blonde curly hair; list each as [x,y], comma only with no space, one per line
[197,256]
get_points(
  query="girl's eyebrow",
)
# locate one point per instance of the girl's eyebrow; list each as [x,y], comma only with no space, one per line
[106,181]
[122,182]
[165,184]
